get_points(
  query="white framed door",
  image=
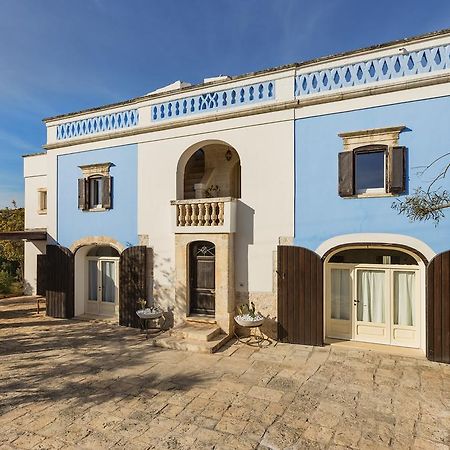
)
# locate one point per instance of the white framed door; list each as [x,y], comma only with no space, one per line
[371,310]
[373,303]
[102,286]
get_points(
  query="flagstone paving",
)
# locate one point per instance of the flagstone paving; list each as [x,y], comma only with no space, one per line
[77,384]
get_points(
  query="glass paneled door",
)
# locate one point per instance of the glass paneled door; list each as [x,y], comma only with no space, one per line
[102,286]
[373,303]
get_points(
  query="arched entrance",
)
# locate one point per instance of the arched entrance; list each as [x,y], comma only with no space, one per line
[209,171]
[97,280]
[102,281]
[374,294]
[202,278]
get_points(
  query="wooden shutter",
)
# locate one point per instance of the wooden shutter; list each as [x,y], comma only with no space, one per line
[132,284]
[60,282]
[41,274]
[107,192]
[346,182]
[396,170]
[438,308]
[300,296]
[83,193]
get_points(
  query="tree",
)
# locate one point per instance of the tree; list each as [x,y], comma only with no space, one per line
[11,252]
[429,203]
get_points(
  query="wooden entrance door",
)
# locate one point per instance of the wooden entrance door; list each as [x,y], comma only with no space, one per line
[202,279]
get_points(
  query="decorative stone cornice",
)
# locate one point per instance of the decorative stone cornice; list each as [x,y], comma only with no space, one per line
[384,136]
[96,169]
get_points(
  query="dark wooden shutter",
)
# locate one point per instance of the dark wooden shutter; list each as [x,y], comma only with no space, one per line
[396,170]
[83,193]
[346,182]
[300,296]
[132,284]
[41,274]
[438,308]
[106,192]
[60,282]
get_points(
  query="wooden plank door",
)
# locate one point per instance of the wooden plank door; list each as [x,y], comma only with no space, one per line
[300,296]
[202,279]
[438,308]
[59,282]
[132,284]
[41,274]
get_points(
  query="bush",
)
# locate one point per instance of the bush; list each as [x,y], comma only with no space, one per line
[6,281]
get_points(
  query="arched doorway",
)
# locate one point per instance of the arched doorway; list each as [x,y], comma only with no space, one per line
[102,281]
[202,278]
[211,171]
[374,294]
[97,280]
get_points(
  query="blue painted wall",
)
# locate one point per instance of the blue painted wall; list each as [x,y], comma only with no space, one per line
[319,211]
[120,222]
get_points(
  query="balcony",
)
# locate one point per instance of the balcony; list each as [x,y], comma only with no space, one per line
[209,215]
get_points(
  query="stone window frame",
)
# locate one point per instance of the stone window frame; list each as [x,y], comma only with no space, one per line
[42,201]
[96,170]
[373,139]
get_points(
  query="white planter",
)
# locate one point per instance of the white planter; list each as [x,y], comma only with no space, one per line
[249,322]
[149,313]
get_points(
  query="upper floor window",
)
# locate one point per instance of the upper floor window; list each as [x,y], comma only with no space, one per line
[95,188]
[42,201]
[95,192]
[370,173]
[375,169]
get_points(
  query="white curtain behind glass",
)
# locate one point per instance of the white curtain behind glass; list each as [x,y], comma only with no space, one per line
[340,294]
[93,280]
[371,296]
[108,281]
[404,298]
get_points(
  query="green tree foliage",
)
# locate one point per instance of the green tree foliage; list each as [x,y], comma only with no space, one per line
[11,252]
[429,203]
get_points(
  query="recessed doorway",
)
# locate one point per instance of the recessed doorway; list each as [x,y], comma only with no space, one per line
[373,295]
[102,290]
[202,278]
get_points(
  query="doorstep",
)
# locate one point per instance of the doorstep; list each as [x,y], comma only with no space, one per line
[380,348]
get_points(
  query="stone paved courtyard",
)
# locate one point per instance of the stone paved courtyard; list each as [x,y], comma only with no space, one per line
[77,384]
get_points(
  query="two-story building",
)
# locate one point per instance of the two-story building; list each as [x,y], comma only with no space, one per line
[273,187]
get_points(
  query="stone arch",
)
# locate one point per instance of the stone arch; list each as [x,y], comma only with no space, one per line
[218,164]
[97,240]
[408,243]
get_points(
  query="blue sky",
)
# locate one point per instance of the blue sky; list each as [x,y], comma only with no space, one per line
[58,56]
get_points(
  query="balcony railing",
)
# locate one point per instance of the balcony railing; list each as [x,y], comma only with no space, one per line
[210,215]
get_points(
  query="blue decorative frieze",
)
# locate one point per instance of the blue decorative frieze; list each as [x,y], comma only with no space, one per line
[373,70]
[107,122]
[214,101]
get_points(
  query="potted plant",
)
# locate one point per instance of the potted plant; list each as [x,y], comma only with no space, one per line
[153,312]
[248,317]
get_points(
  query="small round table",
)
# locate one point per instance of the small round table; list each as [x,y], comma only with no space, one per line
[256,339]
[146,317]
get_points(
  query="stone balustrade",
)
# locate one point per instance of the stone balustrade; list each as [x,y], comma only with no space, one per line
[210,215]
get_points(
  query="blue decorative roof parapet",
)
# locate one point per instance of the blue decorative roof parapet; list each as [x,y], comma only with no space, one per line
[107,122]
[214,101]
[373,70]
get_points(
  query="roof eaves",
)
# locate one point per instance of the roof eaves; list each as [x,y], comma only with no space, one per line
[256,73]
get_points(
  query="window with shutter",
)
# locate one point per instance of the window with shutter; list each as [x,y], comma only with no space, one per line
[372,163]
[95,188]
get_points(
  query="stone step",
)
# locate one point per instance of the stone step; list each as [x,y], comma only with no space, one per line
[196,331]
[201,319]
[169,341]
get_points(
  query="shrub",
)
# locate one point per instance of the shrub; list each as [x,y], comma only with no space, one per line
[6,281]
